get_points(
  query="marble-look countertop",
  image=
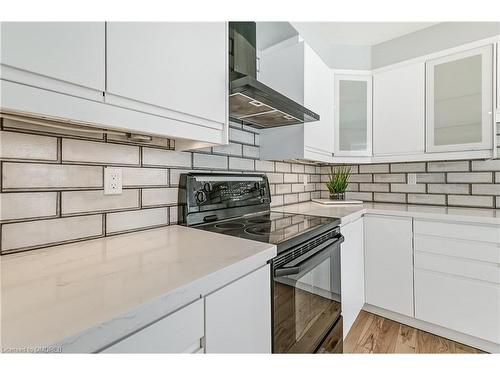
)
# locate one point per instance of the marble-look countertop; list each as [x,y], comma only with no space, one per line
[349,212]
[81,297]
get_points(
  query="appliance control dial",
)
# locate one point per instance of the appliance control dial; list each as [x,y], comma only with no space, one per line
[200,196]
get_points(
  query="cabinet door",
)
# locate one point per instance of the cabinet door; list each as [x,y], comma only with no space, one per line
[389,263]
[353,273]
[498,85]
[172,69]
[459,101]
[353,115]
[180,332]
[398,111]
[238,316]
[318,97]
[37,53]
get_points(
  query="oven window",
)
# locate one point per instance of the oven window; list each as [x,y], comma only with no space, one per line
[306,306]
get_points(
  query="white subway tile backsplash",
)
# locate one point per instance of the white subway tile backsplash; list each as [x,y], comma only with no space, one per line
[283,189]
[407,167]
[240,136]
[448,166]
[251,152]
[304,197]
[361,178]
[374,187]
[283,167]
[433,199]
[389,197]
[209,161]
[159,157]
[159,196]
[374,168]
[50,176]
[486,189]
[405,188]
[486,165]
[290,198]
[264,166]
[14,206]
[385,177]
[431,177]
[297,188]
[277,200]
[298,168]
[470,201]
[448,189]
[234,149]
[358,196]
[134,220]
[132,177]
[74,150]
[471,177]
[290,177]
[241,164]
[275,178]
[27,146]
[73,202]
[30,234]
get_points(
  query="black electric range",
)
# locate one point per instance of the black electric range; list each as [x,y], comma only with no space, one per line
[306,271]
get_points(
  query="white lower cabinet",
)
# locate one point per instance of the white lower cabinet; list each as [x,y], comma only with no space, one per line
[457,277]
[389,263]
[352,273]
[238,316]
[180,332]
[234,319]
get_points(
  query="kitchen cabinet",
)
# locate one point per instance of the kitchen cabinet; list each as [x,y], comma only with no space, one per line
[180,332]
[459,101]
[67,57]
[298,72]
[238,316]
[389,263]
[353,115]
[457,277]
[352,272]
[399,110]
[177,70]
[498,83]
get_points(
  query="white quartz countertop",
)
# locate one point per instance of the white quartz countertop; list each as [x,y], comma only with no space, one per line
[349,212]
[81,297]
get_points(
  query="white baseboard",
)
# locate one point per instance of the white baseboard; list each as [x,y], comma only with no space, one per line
[450,334]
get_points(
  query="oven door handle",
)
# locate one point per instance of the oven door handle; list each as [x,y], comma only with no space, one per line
[309,263]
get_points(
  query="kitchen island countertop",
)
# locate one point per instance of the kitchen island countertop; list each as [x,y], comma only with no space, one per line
[83,296]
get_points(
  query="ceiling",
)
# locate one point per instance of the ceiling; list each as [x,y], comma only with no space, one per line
[356,33]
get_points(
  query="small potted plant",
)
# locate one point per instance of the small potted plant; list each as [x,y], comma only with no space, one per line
[338,181]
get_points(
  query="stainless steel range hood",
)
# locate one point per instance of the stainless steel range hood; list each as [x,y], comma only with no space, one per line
[252,101]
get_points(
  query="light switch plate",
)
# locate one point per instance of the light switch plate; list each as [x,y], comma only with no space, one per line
[412,178]
[112,181]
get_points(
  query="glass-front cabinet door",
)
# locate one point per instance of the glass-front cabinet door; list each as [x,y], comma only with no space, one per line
[353,115]
[459,101]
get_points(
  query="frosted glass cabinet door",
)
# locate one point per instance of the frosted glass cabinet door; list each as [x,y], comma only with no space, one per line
[460,101]
[353,115]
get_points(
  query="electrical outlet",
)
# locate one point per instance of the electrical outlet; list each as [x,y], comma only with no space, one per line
[412,178]
[112,181]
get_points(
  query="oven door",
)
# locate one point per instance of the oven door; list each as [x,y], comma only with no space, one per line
[306,299]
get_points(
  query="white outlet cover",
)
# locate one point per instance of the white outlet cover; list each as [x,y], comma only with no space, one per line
[112,181]
[412,178]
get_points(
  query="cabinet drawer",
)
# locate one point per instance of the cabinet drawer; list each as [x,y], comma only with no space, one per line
[465,231]
[464,305]
[482,251]
[179,332]
[489,272]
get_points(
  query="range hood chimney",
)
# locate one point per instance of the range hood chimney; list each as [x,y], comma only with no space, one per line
[252,101]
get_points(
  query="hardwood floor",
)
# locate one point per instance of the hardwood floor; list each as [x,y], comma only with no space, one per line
[371,333]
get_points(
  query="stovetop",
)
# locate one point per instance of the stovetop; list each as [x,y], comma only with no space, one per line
[277,228]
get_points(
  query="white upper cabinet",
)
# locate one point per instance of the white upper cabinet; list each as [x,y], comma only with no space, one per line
[297,72]
[66,57]
[353,115]
[399,110]
[498,82]
[172,69]
[459,101]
